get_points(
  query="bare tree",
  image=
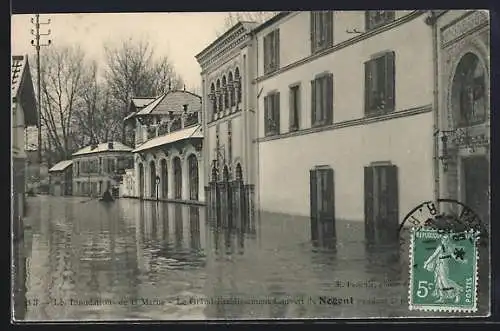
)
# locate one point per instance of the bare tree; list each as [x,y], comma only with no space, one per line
[61,73]
[232,18]
[133,70]
[98,118]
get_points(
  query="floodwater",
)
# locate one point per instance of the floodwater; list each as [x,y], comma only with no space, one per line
[88,260]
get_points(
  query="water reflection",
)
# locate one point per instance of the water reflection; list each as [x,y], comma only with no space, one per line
[132,249]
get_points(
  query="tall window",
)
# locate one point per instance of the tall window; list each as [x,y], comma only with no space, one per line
[272,114]
[229,142]
[379,84]
[321,30]
[381,202]
[294,107]
[322,100]
[468,91]
[272,51]
[376,18]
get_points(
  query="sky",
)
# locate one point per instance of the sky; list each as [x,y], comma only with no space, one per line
[179,35]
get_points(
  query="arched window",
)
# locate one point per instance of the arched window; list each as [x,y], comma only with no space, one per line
[239,172]
[177,178]
[141,180]
[218,94]
[193,177]
[225,173]
[232,95]
[164,179]
[213,99]
[224,92]
[152,179]
[468,92]
[237,79]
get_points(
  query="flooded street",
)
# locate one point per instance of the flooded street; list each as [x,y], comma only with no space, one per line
[88,260]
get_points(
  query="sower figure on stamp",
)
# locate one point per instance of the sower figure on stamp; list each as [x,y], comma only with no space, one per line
[438,262]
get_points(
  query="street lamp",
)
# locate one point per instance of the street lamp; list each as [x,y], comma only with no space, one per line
[157,184]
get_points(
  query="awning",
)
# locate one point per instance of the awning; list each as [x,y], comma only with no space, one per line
[188,133]
[61,166]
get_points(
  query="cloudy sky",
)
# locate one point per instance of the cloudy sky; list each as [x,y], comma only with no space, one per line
[179,35]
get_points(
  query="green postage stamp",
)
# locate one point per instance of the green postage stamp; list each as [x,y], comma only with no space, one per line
[443,271]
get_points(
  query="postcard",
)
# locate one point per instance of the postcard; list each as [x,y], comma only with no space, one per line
[250,165]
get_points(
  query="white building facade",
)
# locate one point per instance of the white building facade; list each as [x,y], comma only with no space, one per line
[167,155]
[229,119]
[345,116]
[100,167]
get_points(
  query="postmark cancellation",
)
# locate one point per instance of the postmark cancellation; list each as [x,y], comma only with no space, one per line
[443,270]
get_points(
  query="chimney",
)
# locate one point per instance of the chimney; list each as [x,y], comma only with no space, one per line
[110,145]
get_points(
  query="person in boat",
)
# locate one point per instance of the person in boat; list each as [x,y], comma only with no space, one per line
[107,196]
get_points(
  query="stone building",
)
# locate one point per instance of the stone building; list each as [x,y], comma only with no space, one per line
[135,135]
[61,178]
[228,65]
[97,168]
[462,43]
[345,118]
[167,156]
[23,114]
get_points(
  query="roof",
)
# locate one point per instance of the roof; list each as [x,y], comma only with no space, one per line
[271,21]
[187,133]
[140,102]
[61,166]
[172,101]
[248,26]
[22,88]
[104,147]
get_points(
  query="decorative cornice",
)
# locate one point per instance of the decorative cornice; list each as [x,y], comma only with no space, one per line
[349,42]
[217,56]
[349,123]
[214,51]
[464,25]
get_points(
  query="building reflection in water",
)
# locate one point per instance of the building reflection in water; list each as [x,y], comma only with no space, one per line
[146,249]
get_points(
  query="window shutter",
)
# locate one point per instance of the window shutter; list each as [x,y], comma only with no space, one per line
[369,221]
[313,32]
[368,86]
[367,20]
[329,28]
[276,49]
[266,54]
[313,103]
[276,111]
[266,115]
[313,183]
[390,78]
[330,96]
[392,200]
[291,107]
[330,191]
[390,15]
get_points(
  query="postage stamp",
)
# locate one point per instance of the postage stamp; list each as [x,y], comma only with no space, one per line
[443,270]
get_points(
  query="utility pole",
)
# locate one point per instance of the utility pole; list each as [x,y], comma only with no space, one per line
[36,42]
